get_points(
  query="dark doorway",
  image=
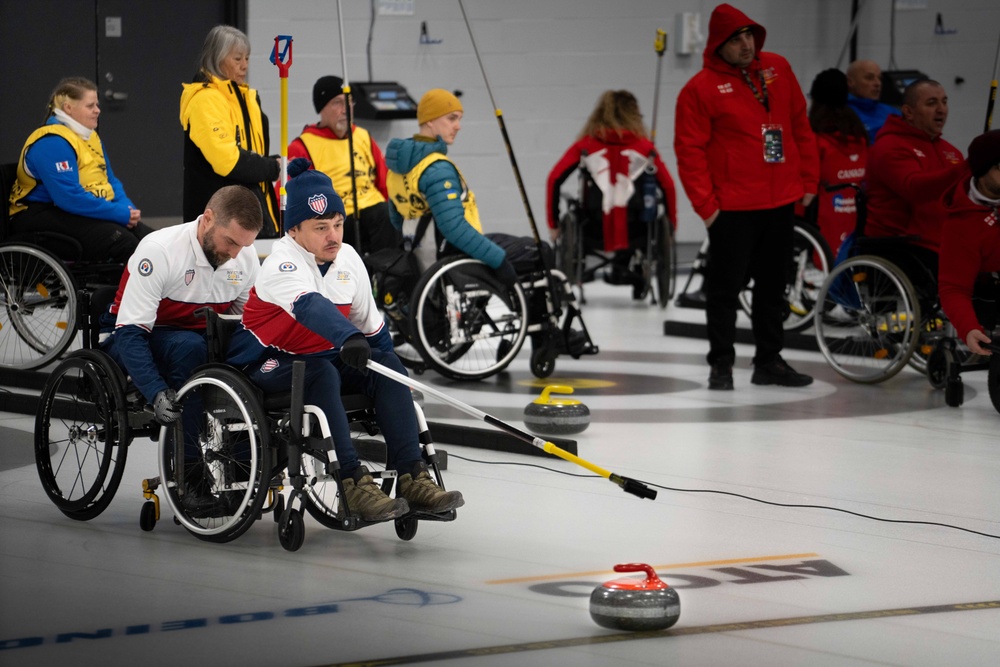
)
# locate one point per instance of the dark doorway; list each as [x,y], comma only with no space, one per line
[138,53]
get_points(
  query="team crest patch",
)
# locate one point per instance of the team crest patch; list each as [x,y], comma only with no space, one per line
[269,366]
[188,276]
[145,267]
[63,166]
[318,204]
[286,267]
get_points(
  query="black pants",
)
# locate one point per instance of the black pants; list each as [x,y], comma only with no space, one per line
[376,230]
[745,245]
[99,240]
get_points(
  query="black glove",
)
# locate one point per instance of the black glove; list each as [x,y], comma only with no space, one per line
[506,274]
[355,352]
[165,407]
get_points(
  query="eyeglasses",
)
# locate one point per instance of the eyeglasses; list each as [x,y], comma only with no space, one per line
[339,101]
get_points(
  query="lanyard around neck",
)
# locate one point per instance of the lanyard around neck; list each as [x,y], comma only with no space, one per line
[761,94]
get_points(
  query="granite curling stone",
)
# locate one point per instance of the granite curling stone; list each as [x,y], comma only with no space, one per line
[556,416]
[635,604]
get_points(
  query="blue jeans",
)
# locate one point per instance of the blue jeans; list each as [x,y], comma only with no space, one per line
[327,378]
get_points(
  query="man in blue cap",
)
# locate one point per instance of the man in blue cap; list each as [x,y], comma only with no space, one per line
[313,301]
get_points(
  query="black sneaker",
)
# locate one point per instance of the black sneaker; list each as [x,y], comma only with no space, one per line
[780,373]
[721,376]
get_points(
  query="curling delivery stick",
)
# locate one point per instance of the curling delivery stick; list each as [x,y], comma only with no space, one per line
[633,486]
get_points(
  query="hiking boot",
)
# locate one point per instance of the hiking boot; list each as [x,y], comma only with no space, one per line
[423,493]
[366,499]
[721,376]
[780,373]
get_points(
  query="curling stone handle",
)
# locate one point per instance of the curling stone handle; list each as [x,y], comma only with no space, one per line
[639,567]
[557,388]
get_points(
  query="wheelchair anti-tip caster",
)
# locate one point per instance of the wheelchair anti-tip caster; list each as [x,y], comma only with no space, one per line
[954,392]
[406,528]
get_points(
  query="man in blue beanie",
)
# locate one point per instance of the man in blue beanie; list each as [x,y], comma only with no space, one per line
[313,301]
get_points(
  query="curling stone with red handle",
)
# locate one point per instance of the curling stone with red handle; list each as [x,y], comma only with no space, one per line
[635,604]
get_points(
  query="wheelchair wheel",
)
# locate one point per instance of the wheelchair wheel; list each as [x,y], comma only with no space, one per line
[570,256]
[214,461]
[993,381]
[939,363]
[38,307]
[82,434]
[466,325]
[868,319]
[660,263]
[808,267]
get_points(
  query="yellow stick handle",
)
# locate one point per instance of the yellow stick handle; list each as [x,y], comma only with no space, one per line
[550,448]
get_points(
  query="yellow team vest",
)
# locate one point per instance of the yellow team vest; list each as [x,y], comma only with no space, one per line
[404,192]
[331,157]
[91,166]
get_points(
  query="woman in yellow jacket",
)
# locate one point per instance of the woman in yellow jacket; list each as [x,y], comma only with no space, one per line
[225,131]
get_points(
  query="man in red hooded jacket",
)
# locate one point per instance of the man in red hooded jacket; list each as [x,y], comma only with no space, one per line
[909,169]
[745,155]
[971,245]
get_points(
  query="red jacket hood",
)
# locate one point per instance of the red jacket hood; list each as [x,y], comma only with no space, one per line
[726,20]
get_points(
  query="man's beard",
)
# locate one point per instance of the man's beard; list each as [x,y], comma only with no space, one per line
[214,258]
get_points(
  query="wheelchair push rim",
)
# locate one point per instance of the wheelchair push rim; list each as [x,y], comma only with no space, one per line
[230,470]
[38,307]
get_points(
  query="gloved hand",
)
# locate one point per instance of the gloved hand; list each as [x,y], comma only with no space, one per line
[506,274]
[165,407]
[355,352]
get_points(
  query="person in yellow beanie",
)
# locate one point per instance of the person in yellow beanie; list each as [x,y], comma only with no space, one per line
[422,179]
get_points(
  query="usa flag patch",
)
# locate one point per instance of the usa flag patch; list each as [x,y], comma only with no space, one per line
[63,166]
[269,366]
[318,203]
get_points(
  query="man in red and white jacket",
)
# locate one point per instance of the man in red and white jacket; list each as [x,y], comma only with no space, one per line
[313,301]
[910,166]
[970,246]
[745,155]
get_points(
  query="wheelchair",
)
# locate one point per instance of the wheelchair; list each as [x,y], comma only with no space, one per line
[871,321]
[580,252]
[460,321]
[38,289]
[243,448]
[807,268]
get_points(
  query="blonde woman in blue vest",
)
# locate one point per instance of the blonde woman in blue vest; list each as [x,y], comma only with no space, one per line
[325,144]
[422,179]
[65,184]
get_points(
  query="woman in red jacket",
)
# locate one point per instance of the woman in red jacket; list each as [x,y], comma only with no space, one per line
[615,150]
[843,152]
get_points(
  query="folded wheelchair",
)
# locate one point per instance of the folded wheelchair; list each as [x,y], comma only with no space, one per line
[456,318]
[222,466]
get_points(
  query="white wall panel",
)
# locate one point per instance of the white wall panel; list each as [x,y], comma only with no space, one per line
[548,60]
